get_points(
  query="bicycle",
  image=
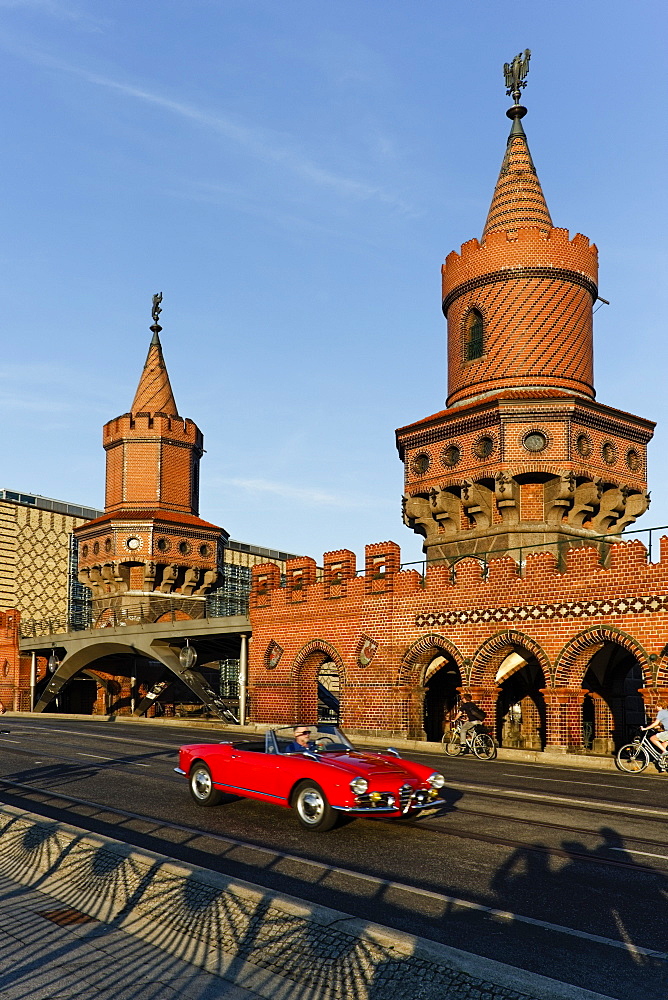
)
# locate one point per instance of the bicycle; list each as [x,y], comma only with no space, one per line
[634,757]
[478,741]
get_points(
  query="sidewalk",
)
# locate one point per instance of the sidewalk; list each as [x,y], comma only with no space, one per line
[40,960]
[162,930]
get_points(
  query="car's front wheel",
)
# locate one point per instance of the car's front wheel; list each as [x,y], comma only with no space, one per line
[313,810]
[201,785]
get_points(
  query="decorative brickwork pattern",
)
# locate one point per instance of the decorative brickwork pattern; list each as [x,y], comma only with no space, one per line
[547,612]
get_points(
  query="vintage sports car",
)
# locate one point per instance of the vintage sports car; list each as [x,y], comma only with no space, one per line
[322,778]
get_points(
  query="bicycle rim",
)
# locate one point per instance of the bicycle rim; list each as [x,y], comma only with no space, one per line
[483,747]
[632,758]
[453,747]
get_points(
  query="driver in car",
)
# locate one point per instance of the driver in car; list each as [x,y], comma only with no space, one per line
[302,741]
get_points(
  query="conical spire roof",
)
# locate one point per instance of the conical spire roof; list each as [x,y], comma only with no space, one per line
[518,197]
[154,392]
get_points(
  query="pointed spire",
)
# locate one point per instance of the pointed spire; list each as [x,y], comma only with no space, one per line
[154,392]
[518,199]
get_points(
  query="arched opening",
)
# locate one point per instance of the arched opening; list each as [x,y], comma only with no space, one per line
[520,707]
[441,680]
[329,692]
[614,677]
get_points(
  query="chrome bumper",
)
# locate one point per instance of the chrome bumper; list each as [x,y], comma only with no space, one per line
[180,771]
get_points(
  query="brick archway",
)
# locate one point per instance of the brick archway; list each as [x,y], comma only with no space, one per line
[492,653]
[574,659]
[304,678]
[414,661]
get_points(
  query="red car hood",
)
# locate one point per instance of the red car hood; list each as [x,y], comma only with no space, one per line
[366,764]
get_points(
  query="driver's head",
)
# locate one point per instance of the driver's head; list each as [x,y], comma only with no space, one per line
[302,735]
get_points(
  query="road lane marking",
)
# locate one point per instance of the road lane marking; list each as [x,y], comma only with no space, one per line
[595,804]
[646,854]
[385,884]
[2,738]
[96,755]
[114,739]
[588,784]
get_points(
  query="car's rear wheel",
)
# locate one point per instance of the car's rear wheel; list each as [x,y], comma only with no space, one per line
[313,810]
[201,785]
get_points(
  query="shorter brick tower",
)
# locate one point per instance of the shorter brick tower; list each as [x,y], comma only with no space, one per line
[150,545]
[523,458]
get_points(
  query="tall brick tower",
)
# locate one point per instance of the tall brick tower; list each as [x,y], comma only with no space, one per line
[523,458]
[151,546]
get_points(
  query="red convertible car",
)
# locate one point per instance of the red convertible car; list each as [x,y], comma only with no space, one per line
[314,770]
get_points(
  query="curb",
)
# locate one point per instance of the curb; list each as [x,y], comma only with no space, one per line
[280,947]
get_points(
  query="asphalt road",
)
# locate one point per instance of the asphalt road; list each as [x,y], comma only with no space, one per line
[557,870]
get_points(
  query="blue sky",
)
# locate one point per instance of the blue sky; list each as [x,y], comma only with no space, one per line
[291,176]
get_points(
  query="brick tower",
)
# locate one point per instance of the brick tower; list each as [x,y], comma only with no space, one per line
[150,546]
[523,458]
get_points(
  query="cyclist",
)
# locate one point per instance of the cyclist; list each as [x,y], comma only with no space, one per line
[470,714]
[660,739]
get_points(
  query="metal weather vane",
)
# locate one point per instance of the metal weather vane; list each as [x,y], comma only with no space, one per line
[155,312]
[515,73]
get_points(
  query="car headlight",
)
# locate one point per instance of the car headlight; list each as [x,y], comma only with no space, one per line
[436,780]
[359,786]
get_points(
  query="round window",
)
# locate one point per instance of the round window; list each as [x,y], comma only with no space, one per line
[184,548]
[483,447]
[204,551]
[633,460]
[96,548]
[162,545]
[107,545]
[84,551]
[421,464]
[583,446]
[535,441]
[133,543]
[609,453]
[451,455]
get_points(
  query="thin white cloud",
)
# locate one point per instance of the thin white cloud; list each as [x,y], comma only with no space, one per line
[304,495]
[260,143]
[53,8]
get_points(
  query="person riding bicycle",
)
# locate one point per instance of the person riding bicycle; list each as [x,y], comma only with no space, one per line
[659,739]
[470,714]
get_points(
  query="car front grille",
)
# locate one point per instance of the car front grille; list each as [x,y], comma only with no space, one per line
[405,794]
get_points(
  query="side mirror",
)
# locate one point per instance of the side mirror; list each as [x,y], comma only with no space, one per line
[394,752]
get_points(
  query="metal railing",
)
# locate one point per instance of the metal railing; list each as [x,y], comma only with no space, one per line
[170,609]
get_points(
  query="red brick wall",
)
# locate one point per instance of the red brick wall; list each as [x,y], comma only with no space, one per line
[559,618]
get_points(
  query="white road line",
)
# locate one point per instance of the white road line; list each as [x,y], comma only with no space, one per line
[587,784]
[646,854]
[595,804]
[96,755]
[101,736]
[4,740]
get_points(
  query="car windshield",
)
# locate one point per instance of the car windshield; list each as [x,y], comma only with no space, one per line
[322,738]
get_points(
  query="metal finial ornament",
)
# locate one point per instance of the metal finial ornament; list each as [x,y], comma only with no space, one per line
[155,313]
[515,73]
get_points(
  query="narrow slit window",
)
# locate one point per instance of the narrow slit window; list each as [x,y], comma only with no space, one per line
[474,341]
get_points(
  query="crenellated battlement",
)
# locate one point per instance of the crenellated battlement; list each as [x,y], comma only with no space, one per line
[471,579]
[529,247]
[153,425]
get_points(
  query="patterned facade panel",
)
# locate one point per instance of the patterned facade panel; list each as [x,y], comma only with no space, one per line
[545,612]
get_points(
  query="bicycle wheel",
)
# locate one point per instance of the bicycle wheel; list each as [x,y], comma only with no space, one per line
[483,747]
[451,744]
[633,758]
